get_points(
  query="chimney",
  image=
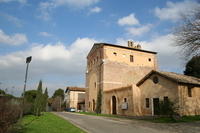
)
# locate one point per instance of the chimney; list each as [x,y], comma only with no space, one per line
[131,44]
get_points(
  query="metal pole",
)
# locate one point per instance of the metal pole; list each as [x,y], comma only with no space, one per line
[24,88]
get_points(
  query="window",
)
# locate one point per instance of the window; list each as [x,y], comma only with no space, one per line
[147,102]
[125,99]
[189,91]
[166,100]
[131,58]
[115,53]
[155,79]
[89,104]
[95,84]
[149,59]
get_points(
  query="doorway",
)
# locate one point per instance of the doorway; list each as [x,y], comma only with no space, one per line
[156,107]
[93,105]
[114,105]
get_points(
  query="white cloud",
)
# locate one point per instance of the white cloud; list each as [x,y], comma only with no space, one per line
[45,34]
[175,11]
[169,57]
[95,10]
[20,1]
[75,3]
[46,7]
[12,19]
[15,39]
[56,64]
[137,31]
[128,20]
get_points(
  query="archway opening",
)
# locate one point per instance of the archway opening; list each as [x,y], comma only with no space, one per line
[93,105]
[114,105]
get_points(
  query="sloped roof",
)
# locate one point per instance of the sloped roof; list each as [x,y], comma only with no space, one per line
[97,45]
[179,78]
[74,88]
[118,89]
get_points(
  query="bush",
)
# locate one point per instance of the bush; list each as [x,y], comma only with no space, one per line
[168,108]
[9,113]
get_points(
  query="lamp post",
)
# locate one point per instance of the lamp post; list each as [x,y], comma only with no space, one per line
[28,60]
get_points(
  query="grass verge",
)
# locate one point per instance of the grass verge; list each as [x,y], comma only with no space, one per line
[182,119]
[47,123]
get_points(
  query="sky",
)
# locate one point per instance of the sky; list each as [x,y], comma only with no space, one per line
[58,34]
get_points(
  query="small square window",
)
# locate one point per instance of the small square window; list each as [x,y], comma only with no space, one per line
[147,102]
[115,53]
[95,84]
[125,99]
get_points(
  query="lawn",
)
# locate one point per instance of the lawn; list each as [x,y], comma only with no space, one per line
[183,119]
[47,123]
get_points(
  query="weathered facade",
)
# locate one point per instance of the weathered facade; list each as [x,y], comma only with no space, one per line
[75,98]
[112,66]
[183,90]
[124,75]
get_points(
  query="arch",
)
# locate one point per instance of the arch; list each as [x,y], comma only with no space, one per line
[114,105]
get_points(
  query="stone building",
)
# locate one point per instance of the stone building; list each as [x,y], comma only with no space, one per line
[121,73]
[183,90]
[75,98]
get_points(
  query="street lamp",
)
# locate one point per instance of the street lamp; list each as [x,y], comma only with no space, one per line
[28,60]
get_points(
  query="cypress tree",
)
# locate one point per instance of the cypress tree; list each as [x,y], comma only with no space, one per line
[45,98]
[99,99]
[38,100]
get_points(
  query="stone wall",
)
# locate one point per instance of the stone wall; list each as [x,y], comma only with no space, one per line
[189,105]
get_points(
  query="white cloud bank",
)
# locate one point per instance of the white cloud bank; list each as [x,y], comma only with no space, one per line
[15,39]
[56,64]
[137,31]
[128,20]
[175,10]
[46,7]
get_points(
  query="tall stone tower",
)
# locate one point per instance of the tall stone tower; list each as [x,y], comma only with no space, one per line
[111,66]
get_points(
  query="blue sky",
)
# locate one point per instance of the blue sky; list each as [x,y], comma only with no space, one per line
[59,34]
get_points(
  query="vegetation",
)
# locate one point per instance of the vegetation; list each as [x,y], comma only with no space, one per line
[9,113]
[45,98]
[2,92]
[39,100]
[188,34]
[168,108]
[99,97]
[192,67]
[96,114]
[59,92]
[47,123]
[30,97]
[169,120]
[57,103]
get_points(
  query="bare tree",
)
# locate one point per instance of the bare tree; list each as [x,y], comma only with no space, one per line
[187,35]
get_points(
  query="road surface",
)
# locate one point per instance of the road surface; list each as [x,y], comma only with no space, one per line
[97,124]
